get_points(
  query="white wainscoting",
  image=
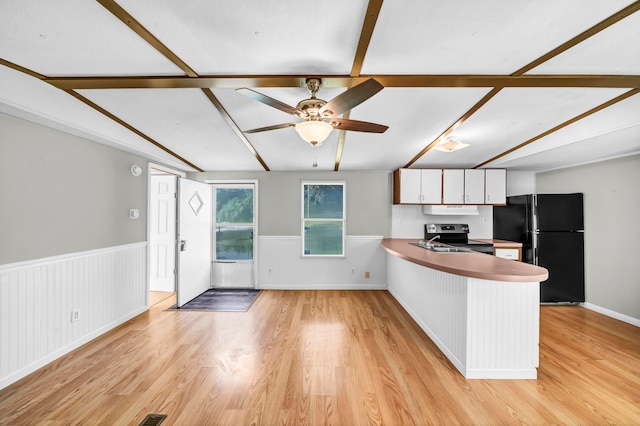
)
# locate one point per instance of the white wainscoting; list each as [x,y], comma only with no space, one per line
[106,286]
[487,329]
[281,265]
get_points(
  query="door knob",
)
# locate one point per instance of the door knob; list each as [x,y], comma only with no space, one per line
[183,245]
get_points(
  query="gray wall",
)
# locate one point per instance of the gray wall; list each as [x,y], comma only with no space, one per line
[368,199]
[612,207]
[61,194]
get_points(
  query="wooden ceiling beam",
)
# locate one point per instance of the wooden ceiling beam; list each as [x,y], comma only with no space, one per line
[369,24]
[131,128]
[370,20]
[139,29]
[427,80]
[518,75]
[145,34]
[102,111]
[234,126]
[592,111]
[602,25]
[486,98]
[22,69]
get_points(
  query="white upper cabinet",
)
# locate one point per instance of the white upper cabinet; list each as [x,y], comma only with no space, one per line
[432,186]
[495,186]
[408,182]
[450,186]
[453,186]
[474,186]
[417,186]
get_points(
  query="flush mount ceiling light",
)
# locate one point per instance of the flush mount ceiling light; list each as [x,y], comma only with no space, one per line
[450,145]
[314,132]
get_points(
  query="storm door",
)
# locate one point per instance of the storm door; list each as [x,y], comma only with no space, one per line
[234,235]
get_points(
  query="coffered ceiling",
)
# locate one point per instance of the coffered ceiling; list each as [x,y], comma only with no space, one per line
[530,85]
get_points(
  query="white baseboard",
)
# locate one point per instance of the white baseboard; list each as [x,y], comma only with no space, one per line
[322,287]
[612,314]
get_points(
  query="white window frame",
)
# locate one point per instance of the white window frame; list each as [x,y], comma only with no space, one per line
[343,220]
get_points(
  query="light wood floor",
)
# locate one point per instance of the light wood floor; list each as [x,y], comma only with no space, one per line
[325,357]
[156,297]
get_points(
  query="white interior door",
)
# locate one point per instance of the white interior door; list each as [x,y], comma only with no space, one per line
[194,239]
[162,235]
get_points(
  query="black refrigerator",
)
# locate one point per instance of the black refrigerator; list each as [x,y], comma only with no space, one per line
[551,230]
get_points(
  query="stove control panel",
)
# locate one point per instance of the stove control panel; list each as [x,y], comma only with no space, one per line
[436,228]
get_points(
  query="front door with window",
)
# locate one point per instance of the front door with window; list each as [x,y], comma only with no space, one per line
[194,228]
[234,235]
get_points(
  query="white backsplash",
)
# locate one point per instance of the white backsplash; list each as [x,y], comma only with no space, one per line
[408,222]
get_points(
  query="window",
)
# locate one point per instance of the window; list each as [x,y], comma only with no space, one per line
[323,218]
[234,222]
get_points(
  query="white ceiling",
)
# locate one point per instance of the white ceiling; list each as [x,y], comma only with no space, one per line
[67,63]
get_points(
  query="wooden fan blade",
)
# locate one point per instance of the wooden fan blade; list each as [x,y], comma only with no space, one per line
[352,97]
[275,127]
[270,101]
[357,126]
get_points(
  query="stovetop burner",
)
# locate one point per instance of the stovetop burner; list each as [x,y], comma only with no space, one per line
[455,235]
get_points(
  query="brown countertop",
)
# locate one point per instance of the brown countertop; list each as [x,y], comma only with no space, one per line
[473,265]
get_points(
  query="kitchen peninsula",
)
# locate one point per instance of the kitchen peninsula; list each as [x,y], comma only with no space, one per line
[482,311]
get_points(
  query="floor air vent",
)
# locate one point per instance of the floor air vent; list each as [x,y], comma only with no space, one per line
[153,420]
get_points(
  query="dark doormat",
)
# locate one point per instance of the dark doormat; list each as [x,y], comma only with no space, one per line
[222,300]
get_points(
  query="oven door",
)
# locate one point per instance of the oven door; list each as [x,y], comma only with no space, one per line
[476,246]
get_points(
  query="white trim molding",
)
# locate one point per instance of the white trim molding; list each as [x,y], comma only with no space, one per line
[613,314]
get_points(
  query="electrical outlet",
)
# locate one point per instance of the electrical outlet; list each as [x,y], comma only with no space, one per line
[367,275]
[353,270]
[75,315]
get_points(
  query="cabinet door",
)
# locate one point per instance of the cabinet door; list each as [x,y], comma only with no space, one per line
[410,182]
[431,186]
[496,186]
[453,186]
[474,186]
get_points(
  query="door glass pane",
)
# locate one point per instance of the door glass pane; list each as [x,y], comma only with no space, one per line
[234,243]
[234,223]
[234,205]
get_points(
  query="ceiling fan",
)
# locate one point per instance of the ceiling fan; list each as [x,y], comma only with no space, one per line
[319,116]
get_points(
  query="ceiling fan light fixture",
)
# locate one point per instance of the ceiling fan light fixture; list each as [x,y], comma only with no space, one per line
[314,132]
[450,145]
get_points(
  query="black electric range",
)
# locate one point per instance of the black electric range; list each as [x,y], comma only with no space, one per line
[456,235]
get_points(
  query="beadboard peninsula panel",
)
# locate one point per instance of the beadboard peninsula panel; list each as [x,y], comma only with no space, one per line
[488,329]
[282,266]
[436,301]
[38,298]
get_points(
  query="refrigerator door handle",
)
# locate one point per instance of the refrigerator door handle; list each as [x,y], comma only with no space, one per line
[534,244]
